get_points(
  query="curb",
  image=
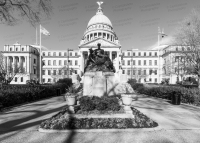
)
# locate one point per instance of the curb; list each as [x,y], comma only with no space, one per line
[158,128]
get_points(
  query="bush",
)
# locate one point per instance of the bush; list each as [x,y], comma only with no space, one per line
[67,81]
[11,95]
[100,104]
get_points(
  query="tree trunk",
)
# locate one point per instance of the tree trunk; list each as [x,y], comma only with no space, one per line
[199,81]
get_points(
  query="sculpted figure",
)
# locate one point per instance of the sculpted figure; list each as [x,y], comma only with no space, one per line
[98,61]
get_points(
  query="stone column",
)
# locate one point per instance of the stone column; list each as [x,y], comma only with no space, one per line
[25,61]
[111,55]
[13,64]
[117,65]
[20,64]
[8,63]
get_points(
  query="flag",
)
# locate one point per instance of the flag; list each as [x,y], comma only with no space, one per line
[44,31]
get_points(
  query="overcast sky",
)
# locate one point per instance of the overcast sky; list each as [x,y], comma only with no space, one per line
[134,21]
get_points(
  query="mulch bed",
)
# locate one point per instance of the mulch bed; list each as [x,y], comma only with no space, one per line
[64,120]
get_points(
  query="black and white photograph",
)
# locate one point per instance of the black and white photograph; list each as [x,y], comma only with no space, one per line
[113,71]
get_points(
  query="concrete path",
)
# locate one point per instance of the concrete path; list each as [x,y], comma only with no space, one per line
[179,124]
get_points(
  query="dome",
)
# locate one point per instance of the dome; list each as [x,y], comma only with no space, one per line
[99,18]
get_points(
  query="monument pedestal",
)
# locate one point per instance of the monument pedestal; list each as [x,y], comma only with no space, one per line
[98,83]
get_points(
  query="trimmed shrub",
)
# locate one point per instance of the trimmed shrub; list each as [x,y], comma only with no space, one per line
[188,95]
[100,104]
[11,95]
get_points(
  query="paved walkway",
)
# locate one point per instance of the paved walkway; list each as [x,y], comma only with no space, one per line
[178,124]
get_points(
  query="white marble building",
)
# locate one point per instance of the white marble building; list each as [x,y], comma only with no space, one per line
[143,65]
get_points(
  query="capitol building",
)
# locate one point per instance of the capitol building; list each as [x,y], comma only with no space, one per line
[142,65]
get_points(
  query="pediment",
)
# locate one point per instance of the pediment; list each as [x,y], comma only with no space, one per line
[104,43]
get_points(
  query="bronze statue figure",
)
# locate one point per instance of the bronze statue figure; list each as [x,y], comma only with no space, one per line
[98,61]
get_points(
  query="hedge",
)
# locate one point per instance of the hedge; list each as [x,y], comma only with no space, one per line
[188,95]
[11,95]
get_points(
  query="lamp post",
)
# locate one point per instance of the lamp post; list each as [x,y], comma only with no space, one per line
[68,61]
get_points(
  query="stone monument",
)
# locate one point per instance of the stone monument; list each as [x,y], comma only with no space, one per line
[99,76]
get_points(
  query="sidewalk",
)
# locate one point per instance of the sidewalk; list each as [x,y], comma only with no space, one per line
[179,123]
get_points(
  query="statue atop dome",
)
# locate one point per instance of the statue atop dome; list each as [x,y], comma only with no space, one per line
[99,3]
[98,61]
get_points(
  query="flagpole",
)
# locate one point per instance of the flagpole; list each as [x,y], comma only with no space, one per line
[36,35]
[158,55]
[40,57]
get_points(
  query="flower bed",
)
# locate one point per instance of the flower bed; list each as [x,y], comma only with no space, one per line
[11,95]
[64,120]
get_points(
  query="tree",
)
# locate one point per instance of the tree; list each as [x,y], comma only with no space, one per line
[188,35]
[12,11]
[9,71]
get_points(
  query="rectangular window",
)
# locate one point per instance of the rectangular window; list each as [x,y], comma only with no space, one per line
[21,79]
[76,62]
[34,71]
[145,63]
[123,71]
[75,71]
[145,72]
[65,54]
[65,62]
[49,62]
[155,62]
[128,72]
[43,80]
[155,53]
[54,62]
[60,62]
[60,72]
[43,72]
[133,72]
[155,72]
[149,53]
[34,61]
[139,62]
[139,72]
[128,53]
[54,72]
[70,53]
[139,54]
[15,79]
[65,72]
[150,71]
[155,80]
[49,54]
[133,62]
[70,62]
[49,80]
[59,53]
[150,62]
[49,72]
[133,53]
[76,54]
[128,62]
[144,53]
[149,79]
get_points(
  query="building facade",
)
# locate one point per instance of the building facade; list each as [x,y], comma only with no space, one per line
[143,65]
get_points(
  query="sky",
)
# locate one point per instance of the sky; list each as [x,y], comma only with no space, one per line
[135,22]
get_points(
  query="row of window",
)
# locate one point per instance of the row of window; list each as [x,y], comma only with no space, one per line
[59,54]
[140,62]
[60,62]
[58,72]
[140,72]
[140,54]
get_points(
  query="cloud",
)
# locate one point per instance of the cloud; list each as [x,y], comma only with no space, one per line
[168,40]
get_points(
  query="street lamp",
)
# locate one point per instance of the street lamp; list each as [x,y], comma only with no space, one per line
[68,61]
